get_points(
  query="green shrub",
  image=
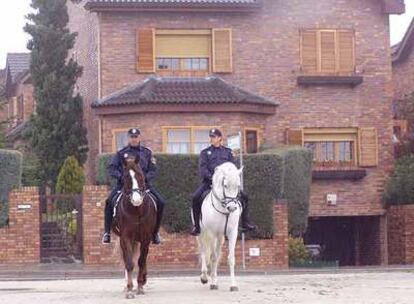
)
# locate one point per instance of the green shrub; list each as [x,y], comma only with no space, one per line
[263,178]
[10,178]
[296,187]
[30,176]
[400,186]
[298,254]
[71,177]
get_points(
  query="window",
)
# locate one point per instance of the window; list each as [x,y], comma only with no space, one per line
[327,51]
[325,152]
[20,107]
[251,141]
[184,52]
[331,146]
[338,147]
[120,139]
[185,140]
[177,65]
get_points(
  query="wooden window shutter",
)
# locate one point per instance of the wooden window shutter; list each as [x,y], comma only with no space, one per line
[309,51]
[327,52]
[294,137]
[222,51]
[146,50]
[368,147]
[346,51]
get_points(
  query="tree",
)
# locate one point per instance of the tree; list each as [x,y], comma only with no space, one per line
[71,177]
[57,127]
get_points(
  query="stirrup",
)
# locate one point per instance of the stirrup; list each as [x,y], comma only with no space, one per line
[195,231]
[106,239]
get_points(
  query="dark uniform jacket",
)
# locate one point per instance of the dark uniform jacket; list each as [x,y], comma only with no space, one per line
[146,162]
[212,157]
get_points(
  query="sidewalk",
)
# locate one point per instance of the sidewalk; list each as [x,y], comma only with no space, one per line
[80,271]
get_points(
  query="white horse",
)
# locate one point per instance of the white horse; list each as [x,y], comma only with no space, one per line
[221,212]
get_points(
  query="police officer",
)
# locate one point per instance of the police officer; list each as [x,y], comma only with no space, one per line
[149,168]
[210,158]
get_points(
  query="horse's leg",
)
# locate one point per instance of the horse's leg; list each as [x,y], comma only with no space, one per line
[142,263]
[202,248]
[215,259]
[127,254]
[231,257]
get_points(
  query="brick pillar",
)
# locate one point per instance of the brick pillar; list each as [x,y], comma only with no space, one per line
[20,240]
[281,236]
[383,223]
[93,226]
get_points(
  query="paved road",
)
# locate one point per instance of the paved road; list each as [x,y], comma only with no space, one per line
[342,288]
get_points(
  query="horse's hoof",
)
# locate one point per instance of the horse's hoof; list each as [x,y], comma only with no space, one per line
[213,287]
[234,288]
[140,291]
[203,281]
[129,295]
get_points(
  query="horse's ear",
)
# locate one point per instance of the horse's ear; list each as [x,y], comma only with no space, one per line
[137,159]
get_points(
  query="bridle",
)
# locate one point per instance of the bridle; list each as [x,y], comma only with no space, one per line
[225,200]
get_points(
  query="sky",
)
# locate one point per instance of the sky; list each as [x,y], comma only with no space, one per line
[14,39]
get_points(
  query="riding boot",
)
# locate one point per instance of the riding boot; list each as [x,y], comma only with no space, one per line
[106,239]
[247,224]
[196,216]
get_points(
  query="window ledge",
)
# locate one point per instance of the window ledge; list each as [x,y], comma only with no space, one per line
[335,174]
[307,80]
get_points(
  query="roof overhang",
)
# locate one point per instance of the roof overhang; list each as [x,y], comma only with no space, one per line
[173,6]
[405,47]
[391,7]
[185,108]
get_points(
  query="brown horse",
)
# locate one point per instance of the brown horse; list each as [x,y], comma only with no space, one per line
[134,222]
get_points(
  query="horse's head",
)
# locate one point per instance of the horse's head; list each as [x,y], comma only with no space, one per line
[226,185]
[134,181]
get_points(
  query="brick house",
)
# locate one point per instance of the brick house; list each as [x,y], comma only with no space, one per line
[279,71]
[403,80]
[19,95]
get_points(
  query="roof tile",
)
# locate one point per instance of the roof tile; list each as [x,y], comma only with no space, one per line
[210,90]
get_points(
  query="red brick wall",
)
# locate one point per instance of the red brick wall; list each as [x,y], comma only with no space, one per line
[87,55]
[177,249]
[401,234]
[271,72]
[403,77]
[20,241]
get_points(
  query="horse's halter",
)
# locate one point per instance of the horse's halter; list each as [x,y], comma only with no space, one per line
[136,189]
[226,199]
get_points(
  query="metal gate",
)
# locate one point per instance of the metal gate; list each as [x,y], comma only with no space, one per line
[61,228]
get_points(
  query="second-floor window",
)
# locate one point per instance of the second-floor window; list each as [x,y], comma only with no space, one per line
[183,52]
[327,52]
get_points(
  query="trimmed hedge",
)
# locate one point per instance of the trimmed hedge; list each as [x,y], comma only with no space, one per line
[263,180]
[296,187]
[10,178]
[400,186]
